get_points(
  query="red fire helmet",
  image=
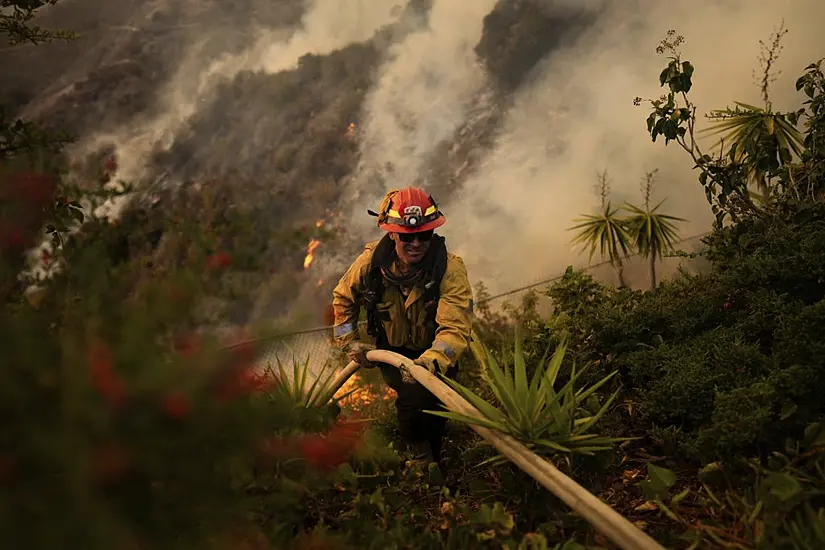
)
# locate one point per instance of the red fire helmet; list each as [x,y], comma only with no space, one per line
[409,210]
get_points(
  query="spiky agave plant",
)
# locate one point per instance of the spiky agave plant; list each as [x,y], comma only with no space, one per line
[546,420]
[300,392]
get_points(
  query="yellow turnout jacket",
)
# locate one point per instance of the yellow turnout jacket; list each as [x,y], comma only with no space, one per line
[407,325]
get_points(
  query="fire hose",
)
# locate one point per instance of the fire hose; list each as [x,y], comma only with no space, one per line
[601,516]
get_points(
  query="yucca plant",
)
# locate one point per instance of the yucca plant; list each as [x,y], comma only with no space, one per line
[607,232]
[546,420]
[758,138]
[653,234]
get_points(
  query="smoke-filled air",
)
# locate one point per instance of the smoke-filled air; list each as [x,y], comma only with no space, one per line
[326,104]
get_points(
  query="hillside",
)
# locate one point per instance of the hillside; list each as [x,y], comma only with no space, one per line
[309,120]
[282,137]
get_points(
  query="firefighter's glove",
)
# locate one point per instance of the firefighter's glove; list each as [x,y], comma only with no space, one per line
[430,364]
[357,351]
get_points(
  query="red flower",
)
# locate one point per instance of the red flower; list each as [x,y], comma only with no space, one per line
[176,406]
[727,304]
[46,257]
[328,452]
[110,462]
[219,260]
[237,376]
[255,382]
[243,355]
[110,386]
[244,382]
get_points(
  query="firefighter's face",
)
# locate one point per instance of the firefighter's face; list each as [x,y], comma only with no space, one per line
[411,247]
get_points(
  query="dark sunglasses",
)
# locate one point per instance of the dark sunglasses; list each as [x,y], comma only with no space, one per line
[423,236]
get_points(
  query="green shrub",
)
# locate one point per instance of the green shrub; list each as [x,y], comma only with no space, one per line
[678,382]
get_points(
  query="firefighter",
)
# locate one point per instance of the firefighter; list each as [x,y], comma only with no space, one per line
[419,304]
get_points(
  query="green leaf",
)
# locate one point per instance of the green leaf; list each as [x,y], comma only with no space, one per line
[662,476]
[595,418]
[553,445]
[815,434]
[787,410]
[680,497]
[782,486]
[585,393]
[712,474]
[667,511]
[486,409]
[659,481]
[77,214]
[520,368]
[501,386]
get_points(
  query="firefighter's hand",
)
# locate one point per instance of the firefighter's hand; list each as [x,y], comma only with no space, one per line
[430,364]
[357,351]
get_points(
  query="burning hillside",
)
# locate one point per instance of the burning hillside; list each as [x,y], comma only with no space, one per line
[243,95]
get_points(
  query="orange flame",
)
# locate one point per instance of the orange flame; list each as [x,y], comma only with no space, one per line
[362,397]
[351,130]
[313,244]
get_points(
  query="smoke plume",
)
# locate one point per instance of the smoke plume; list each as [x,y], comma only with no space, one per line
[422,95]
[327,25]
[571,119]
[509,220]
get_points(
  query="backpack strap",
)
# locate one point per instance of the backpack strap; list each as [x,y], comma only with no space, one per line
[432,288]
[374,286]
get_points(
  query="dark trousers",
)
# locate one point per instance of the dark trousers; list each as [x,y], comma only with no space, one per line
[414,425]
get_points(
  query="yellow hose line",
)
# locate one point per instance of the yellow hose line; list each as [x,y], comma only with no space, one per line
[604,518]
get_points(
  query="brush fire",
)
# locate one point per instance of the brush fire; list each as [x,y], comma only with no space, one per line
[364,395]
[313,244]
[350,134]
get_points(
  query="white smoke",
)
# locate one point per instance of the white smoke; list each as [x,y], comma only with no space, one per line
[510,220]
[422,95]
[327,25]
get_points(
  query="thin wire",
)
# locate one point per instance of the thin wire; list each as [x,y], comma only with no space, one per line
[495,297]
[588,268]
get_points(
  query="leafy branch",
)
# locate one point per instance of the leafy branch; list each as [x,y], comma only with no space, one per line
[15,23]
